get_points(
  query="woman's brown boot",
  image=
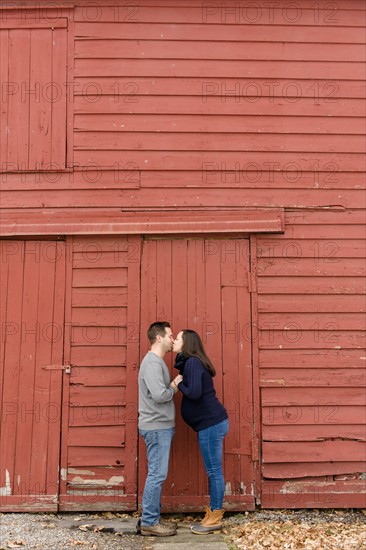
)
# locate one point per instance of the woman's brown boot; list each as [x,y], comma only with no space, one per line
[212,524]
[208,512]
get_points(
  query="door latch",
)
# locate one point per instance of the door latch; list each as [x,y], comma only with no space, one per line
[66,368]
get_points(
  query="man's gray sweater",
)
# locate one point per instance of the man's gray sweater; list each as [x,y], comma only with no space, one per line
[156,406]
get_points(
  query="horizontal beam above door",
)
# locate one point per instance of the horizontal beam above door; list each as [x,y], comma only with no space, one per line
[79,222]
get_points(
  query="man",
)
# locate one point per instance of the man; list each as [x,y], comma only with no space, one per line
[156,425]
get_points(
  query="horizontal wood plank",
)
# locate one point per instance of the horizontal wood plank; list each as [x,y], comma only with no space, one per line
[199,198]
[125,141]
[213,162]
[95,456]
[99,316]
[312,358]
[96,415]
[256,177]
[96,436]
[100,277]
[179,14]
[97,376]
[314,432]
[305,469]
[309,306]
[32,23]
[324,451]
[241,89]
[93,259]
[319,396]
[293,267]
[98,356]
[300,415]
[321,251]
[99,297]
[93,334]
[310,378]
[104,396]
[198,50]
[315,322]
[312,285]
[296,338]
[86,29]
[231,124]
[304,106]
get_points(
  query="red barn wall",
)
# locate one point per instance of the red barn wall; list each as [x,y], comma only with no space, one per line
[186,107]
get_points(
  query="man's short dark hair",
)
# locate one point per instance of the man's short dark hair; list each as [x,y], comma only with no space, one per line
[157,328]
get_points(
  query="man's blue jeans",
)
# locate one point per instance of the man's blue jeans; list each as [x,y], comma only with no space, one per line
[211,443]
[158,444]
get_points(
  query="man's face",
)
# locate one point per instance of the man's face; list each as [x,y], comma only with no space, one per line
[167,340]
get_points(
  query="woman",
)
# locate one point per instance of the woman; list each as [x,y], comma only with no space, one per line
[203,412]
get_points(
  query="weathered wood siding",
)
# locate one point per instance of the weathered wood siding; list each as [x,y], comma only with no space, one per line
[189,106]
[311,328]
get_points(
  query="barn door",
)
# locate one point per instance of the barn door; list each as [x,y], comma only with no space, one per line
[202,284]
[32,320]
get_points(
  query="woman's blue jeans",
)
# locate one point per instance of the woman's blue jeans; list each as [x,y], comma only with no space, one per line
[158,444]
[211,444]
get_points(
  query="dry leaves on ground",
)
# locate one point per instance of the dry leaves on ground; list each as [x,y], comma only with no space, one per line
[260,535]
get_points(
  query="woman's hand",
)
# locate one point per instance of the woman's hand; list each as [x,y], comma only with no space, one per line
[174,383]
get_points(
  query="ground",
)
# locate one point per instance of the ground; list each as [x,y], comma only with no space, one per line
[298,530]
[260,530]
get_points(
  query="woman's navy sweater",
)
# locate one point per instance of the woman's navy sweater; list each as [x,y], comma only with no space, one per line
[200,405]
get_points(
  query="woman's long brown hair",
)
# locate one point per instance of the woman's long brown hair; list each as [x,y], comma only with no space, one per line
[193,347]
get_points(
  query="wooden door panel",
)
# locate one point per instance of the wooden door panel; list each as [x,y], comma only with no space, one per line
[203,284]
[32,312]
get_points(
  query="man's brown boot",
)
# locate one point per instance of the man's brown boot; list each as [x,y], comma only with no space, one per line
[212,524]
[158,530]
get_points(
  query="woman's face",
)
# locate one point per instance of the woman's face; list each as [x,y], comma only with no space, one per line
[178,343]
